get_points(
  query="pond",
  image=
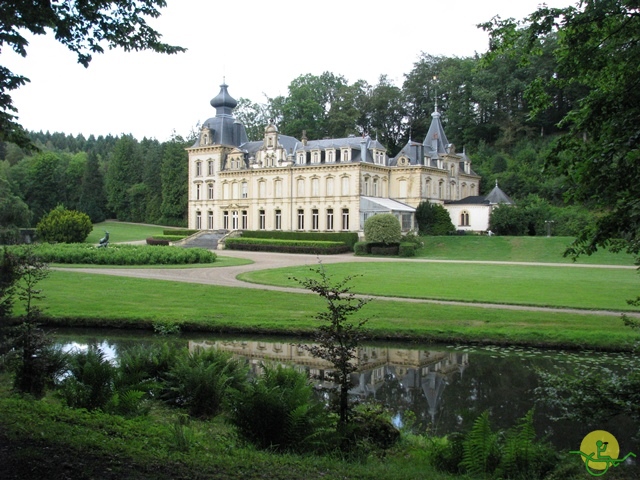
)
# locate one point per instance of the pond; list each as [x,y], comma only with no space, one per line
[436,388]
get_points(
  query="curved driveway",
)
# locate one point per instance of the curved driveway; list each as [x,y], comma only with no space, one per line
[226,276]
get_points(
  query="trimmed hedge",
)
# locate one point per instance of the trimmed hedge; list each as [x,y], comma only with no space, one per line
[374,248]
[157,241]
[120,254]
[163,239]
[183,232]
[407,249]
[348,238]
[286,246]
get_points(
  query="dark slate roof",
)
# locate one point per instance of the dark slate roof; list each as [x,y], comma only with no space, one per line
[497,196]
[434,145]
[225,130]
[472,200]
[436,142]
[285,141]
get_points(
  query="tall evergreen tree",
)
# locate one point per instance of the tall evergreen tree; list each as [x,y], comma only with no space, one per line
[175,177]
[93,200]
[124,171]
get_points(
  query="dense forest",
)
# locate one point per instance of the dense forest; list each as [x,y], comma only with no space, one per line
[484,105]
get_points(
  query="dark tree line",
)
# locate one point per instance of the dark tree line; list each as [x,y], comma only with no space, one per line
[104,177]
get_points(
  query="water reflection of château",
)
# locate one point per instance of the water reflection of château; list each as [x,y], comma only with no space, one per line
[422,372]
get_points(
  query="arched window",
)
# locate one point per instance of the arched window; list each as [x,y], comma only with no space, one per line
[464,219]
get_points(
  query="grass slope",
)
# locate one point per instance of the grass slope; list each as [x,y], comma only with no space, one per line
[123,232]
[513,249]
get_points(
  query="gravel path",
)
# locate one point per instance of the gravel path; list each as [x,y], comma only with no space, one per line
[226,276]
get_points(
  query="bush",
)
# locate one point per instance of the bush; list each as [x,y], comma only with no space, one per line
[64,226]
[407,249]
[201,380]
[371,428]
[384,228]
[277,411]
[360,248]
[89,382]
[433,219]
[92,382]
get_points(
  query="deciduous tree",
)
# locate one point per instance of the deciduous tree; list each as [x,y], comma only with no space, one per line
[85,27]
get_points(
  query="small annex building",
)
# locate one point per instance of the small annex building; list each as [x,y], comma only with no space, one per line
[283,183]
[472,213]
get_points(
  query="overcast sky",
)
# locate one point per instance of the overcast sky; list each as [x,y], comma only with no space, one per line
[259,47]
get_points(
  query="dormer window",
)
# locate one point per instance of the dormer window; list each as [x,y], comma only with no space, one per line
[329,156]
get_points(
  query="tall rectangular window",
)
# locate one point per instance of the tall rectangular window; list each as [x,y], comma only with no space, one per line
[330,187]
[278,220]
[198,189]
[262,220]
[278,188]
[245,190]
[245,220]
[198,169]
[210,220]
[315,187]
[210,167]
[210,191]
[345,186]
[300,219]
[234,220]
[234,190]
[330,219]
[315,220]
[198,221]
[301,187]
[225,220]
[345,219]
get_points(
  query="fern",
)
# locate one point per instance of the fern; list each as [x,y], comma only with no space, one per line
[480,448]
[518,453]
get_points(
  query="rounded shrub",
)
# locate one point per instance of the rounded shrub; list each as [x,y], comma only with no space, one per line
[384,228]
[64,226]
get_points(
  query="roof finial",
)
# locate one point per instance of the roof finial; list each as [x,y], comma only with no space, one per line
[496,182]
[435,90]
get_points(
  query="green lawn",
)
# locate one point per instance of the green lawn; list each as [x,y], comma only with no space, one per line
[576,287]
[513,249]
[96,300]
[123,232]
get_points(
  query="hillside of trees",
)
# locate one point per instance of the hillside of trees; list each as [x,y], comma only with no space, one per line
[484,105]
